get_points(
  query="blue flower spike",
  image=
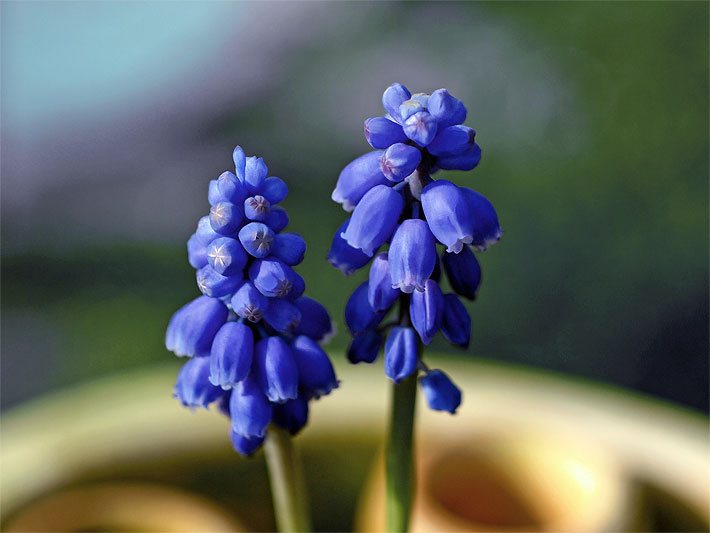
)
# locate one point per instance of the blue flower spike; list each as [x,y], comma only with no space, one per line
[411,226]
[252,338]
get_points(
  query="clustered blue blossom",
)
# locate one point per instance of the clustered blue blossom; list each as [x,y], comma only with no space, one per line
[252,337]
[395,201]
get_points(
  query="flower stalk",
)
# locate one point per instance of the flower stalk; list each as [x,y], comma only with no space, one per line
[288,488]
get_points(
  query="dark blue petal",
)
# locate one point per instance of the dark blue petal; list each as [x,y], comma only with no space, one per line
[193,327]
[486,229]
[400,353]
[282,315]
[365,347]
[467,160]
[254,174]
[245,445]
[446,109]
[357,179]
[298,287]
[452,141]
[382,132]
[232,354]
[240,161]
[277,219]
[463,272]
[421,128]
[230,189]
[275,369]
[456,323]
[374,219]
[257,208]
[292,415]
[359,314]
[204,233]
[257,239]
[249,409]
[448,214]
[440,392]
[196,252]
[193,387]
[227,256]
[289,248]
[381,294]
[212,283]
[225,218]
[273,278]
[399,161]
[426,310]
[274,189]
[343,256]
[315,320]
[393,97]
[316,375]
[249,303]
[412,255]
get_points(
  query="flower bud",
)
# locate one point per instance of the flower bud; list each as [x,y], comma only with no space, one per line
[365,347]
[359,314]
[400,353]
[196,252]
[421,128]
[412,255]
[273,278]
[381,294]
[315,320]
[275,369]
[382,132]
[245,446]
[456,322]
[394,96]
[467,160]
[249,409]
[274,190]
[463,272]
[374,219]
[292,415]
[452,141]
[446,109]
[440,392]
[193,388]
[240,161]
[277,219]
[227,256]
[257,239]
[213,195]
[231,355]
[409,108]
[225,218]
[426,310]
[193,327]
[229,189]
[204,233]
[289,248]
[254,174]
[257,208]
[316,375]
[214,284]
[399,161]
[249,303]
[357,179]
[486,229]
[448,214]
[282,315]
[343,256]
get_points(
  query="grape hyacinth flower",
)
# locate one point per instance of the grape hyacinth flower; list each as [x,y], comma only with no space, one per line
[252,337]
[428,225]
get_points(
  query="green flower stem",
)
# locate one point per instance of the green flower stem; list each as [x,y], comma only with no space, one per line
[287,485]
[400,468]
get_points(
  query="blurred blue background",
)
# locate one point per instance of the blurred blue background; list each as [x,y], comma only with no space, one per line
[593,118]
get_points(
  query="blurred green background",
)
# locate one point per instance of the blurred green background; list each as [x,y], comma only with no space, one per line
[593,119]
